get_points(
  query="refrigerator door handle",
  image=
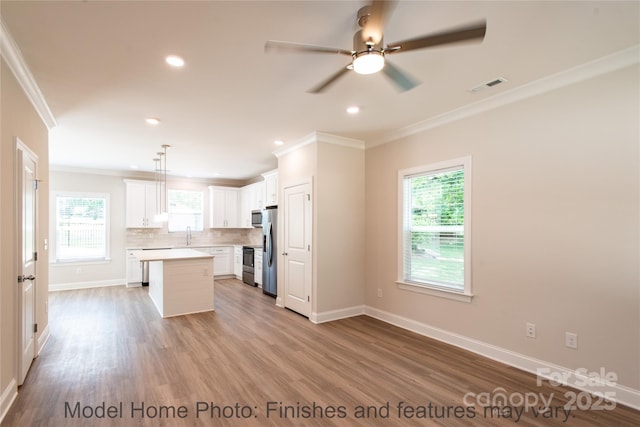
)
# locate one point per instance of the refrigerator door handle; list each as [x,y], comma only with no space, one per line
[270,245]
[265,241]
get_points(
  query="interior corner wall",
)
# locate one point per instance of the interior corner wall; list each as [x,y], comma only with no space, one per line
[555,225]
[339,231]
[19,119]
[337,173]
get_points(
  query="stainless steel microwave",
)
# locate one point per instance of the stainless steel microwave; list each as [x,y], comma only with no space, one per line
[256,218]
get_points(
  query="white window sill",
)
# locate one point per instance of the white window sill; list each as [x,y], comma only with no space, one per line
[436,292]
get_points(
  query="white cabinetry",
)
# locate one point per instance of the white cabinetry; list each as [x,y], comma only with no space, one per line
[271,188]
[257,266]
[141,204]
[237,262]
[258,201]
[134,269]
[222,261]
[246,194]
[223,207]
[252,198]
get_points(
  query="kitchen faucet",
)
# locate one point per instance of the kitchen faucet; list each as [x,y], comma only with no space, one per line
[188,235]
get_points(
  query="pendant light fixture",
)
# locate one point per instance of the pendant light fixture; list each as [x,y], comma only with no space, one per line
[162,214]
[156,178]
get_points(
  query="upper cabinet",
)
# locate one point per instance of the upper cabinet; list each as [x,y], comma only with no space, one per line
[224,203]
[141,204]
[258,202]
[251,199]
[271,188]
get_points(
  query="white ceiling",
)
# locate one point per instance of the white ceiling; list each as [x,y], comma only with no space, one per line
[100,66]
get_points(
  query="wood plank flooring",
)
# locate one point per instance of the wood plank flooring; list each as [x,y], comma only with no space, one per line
[112,361]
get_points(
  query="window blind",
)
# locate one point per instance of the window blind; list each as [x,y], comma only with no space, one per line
[433,218]
[81,228]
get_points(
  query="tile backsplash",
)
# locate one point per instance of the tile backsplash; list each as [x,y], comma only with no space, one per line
[160,237]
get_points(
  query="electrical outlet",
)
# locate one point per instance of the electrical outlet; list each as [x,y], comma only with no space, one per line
[571,340]
[531,330]
[379,292]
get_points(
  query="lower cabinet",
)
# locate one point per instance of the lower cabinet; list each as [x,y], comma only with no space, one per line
[223,264]
[237,262]
[257,266]
[134,269]
[227,261]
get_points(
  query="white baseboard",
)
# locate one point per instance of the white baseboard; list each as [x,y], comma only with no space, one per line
[43,338]
[329,316]
[85,285]
[621,394]
[7,398]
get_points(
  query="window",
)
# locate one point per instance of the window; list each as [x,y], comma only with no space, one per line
[185,210]
[434,229]
[81,227]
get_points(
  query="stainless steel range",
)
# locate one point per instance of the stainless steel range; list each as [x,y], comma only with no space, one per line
[248,272]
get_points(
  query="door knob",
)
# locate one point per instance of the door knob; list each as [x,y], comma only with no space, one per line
[284,253]
[31,277]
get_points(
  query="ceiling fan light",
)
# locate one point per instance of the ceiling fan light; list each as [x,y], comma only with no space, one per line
[174,61]
[368,62]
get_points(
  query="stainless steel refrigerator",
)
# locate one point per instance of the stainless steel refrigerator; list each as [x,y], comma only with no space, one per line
[269,250]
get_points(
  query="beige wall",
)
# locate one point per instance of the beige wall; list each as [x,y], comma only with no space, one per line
[19,119]
[555,225]
[339,231]
[100,272]
[293,168]
[337,173]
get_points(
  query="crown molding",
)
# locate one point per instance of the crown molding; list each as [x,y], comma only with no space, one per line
[321,137]
[340,140]
[10,51]
[604,65]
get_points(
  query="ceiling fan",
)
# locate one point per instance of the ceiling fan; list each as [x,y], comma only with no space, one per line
[369,55]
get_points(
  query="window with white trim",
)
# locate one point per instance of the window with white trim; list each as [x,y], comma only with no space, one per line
[434,227]
[81,227]
[185,210]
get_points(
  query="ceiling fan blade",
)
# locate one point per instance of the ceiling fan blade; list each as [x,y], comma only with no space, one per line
[379,12]
[470,32]
[273,45]
[328,82]
[402,80]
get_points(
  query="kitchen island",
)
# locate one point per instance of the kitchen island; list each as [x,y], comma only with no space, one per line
[180,280]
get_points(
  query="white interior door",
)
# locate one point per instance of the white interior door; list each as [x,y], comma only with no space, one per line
[27,256]
[297,248]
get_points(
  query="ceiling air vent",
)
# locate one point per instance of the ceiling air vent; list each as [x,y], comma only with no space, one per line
[488,85]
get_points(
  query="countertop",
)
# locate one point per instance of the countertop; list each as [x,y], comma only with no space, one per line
[171,254]
[196,247]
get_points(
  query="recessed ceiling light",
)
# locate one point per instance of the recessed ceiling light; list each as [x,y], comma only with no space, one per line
[174,61]
[152,121]
[278,142]
[354,109]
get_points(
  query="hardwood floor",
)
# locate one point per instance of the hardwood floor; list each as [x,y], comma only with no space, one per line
[112,361]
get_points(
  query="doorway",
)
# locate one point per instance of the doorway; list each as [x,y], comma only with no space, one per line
[296,252]
[27,230]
